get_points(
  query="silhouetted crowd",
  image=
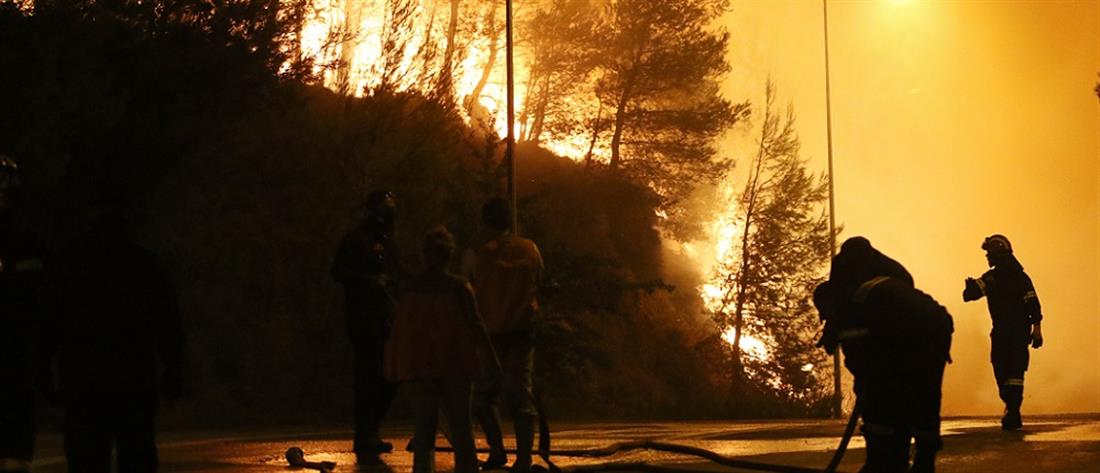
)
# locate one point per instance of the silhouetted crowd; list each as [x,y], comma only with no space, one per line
[459,343]
[95,328]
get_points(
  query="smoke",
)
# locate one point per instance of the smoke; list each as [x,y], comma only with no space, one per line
[953,121]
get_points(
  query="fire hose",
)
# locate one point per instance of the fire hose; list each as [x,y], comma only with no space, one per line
[295,456]
[545,452]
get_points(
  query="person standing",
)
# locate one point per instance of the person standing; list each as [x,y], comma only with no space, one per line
[1017,322]
[506,272]
[115,325]
[438,347]
[21,283]
[367,265]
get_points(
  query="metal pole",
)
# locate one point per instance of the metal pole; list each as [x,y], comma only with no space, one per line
[838,396]
[510,144]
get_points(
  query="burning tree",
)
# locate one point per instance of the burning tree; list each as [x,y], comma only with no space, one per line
[660,67]
[774,250]
[560,80]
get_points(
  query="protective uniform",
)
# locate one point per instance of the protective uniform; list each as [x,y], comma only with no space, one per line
[367,265]
[505,272]
[116,320]
[896,341]
[1015,310]
[21,284]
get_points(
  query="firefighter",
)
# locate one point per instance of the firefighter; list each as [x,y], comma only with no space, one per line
[115,325]
[1017,322]
[506,272]
[21,280]
[896,341]
[367,265]
[438,348]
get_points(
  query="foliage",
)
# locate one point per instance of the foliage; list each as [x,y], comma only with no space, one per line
[659,79]
[782,253]
[244,178]
[560,38]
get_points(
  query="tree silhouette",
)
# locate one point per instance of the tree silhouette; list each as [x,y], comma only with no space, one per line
[780,258]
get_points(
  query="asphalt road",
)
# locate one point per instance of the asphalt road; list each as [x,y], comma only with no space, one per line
[1046,444]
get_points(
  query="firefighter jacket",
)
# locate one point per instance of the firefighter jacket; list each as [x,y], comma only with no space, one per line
[22,282]
[435,332]
[367,264]
[893,328]
[1013,304]
[115,317]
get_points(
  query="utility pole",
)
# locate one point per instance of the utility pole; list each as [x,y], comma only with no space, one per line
[838,395]
[510,144]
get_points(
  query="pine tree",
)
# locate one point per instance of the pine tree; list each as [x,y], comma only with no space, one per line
[660,66]
[780,257]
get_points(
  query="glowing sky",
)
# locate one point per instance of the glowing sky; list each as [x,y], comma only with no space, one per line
[954,120]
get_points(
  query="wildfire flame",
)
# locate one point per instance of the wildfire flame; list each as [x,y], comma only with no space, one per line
[352,31]
[728,230]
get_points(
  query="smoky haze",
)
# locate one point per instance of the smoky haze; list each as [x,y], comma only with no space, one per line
[953,121]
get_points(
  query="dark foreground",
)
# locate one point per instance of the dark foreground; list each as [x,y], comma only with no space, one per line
[1047,444]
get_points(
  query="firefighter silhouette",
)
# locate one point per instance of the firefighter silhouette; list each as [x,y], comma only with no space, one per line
[115,328]
[21,283]
[367,265]
[1017,322]
[896,341]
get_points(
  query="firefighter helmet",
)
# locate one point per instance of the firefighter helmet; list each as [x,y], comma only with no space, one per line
[997,244]
[9,173]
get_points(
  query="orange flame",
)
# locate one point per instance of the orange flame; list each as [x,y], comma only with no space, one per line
[353,30]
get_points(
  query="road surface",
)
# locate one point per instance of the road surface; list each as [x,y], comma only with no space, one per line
[1047,444]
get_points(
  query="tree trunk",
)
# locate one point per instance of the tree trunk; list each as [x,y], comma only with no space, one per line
[352,14]
[446,75]
[750,195]
[540,110]
[620,122]
[487,72]
[525,112]
[596,129]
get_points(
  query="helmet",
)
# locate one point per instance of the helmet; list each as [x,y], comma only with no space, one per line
[9,174]
[997,244]
[379,198]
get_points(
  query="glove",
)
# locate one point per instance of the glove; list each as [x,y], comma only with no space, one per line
[972,292]
[828,342]
[1036,337]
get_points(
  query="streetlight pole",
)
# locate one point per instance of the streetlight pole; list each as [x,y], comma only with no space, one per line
[838,395]
[510,143]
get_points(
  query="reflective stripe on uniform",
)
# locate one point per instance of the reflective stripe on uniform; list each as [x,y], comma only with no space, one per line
[853,333]
[14,464]
[866,288]
[29,265]
[981,285]
[1029,295]
[1014,382]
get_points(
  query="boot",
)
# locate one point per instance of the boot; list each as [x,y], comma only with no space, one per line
[886,454]
[924,459]
[1011,420]
[490,424]
[1013,395]
[525,440]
